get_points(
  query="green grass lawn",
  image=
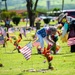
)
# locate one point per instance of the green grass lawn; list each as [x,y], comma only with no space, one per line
[15,63]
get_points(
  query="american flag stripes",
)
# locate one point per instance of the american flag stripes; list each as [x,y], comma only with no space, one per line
[36,43]
[23,31]
[27,50]
[2,31]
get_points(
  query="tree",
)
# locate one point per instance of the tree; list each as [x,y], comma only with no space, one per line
[31,8]
[12,13]
[5,4]
[62,5]
[16,19]
[5,14]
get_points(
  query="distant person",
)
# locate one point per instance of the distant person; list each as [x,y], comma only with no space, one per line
[71,37]
[64,25]
[7,23]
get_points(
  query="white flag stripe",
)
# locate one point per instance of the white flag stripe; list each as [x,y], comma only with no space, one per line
[26,51]
[26,55]
[2,31]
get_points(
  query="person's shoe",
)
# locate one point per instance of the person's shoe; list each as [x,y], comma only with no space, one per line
[50,67]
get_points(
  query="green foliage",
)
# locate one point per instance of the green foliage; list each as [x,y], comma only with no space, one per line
[15,63]
[42,10]
[46,20]
[13,14]
[9,14]
[25,14]
[5,14]
[56,9]
[54,12]
[16,19]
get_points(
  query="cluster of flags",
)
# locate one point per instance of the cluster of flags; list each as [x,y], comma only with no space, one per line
[27,49]
[21,29]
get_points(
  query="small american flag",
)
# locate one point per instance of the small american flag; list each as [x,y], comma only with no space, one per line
[36,43]
[23,31]
[2,31]
[1,40]
[11,30]
[27,50]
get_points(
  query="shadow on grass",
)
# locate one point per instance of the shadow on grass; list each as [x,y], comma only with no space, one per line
[35,54]
[63,53]
[28,39]
[68,54]
[10,52]
[20,74]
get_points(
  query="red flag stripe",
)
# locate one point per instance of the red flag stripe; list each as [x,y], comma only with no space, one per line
[26,51]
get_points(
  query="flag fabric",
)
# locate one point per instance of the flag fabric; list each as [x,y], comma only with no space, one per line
[71,41]
[23,31]
[11,30]
[36,43]
[2,31]
[1,40]
[27,50]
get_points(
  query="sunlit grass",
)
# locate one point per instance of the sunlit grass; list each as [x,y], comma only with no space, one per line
[15,63]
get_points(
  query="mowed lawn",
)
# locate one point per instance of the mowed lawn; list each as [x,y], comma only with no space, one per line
[15,63]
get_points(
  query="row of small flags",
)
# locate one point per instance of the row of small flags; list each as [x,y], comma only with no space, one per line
[22,30]
[12,30]
[27,49]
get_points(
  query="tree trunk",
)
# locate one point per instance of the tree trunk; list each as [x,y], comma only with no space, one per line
[32,18]
[31,11]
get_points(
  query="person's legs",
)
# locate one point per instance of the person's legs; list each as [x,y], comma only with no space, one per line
[72,48]
[41,40]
